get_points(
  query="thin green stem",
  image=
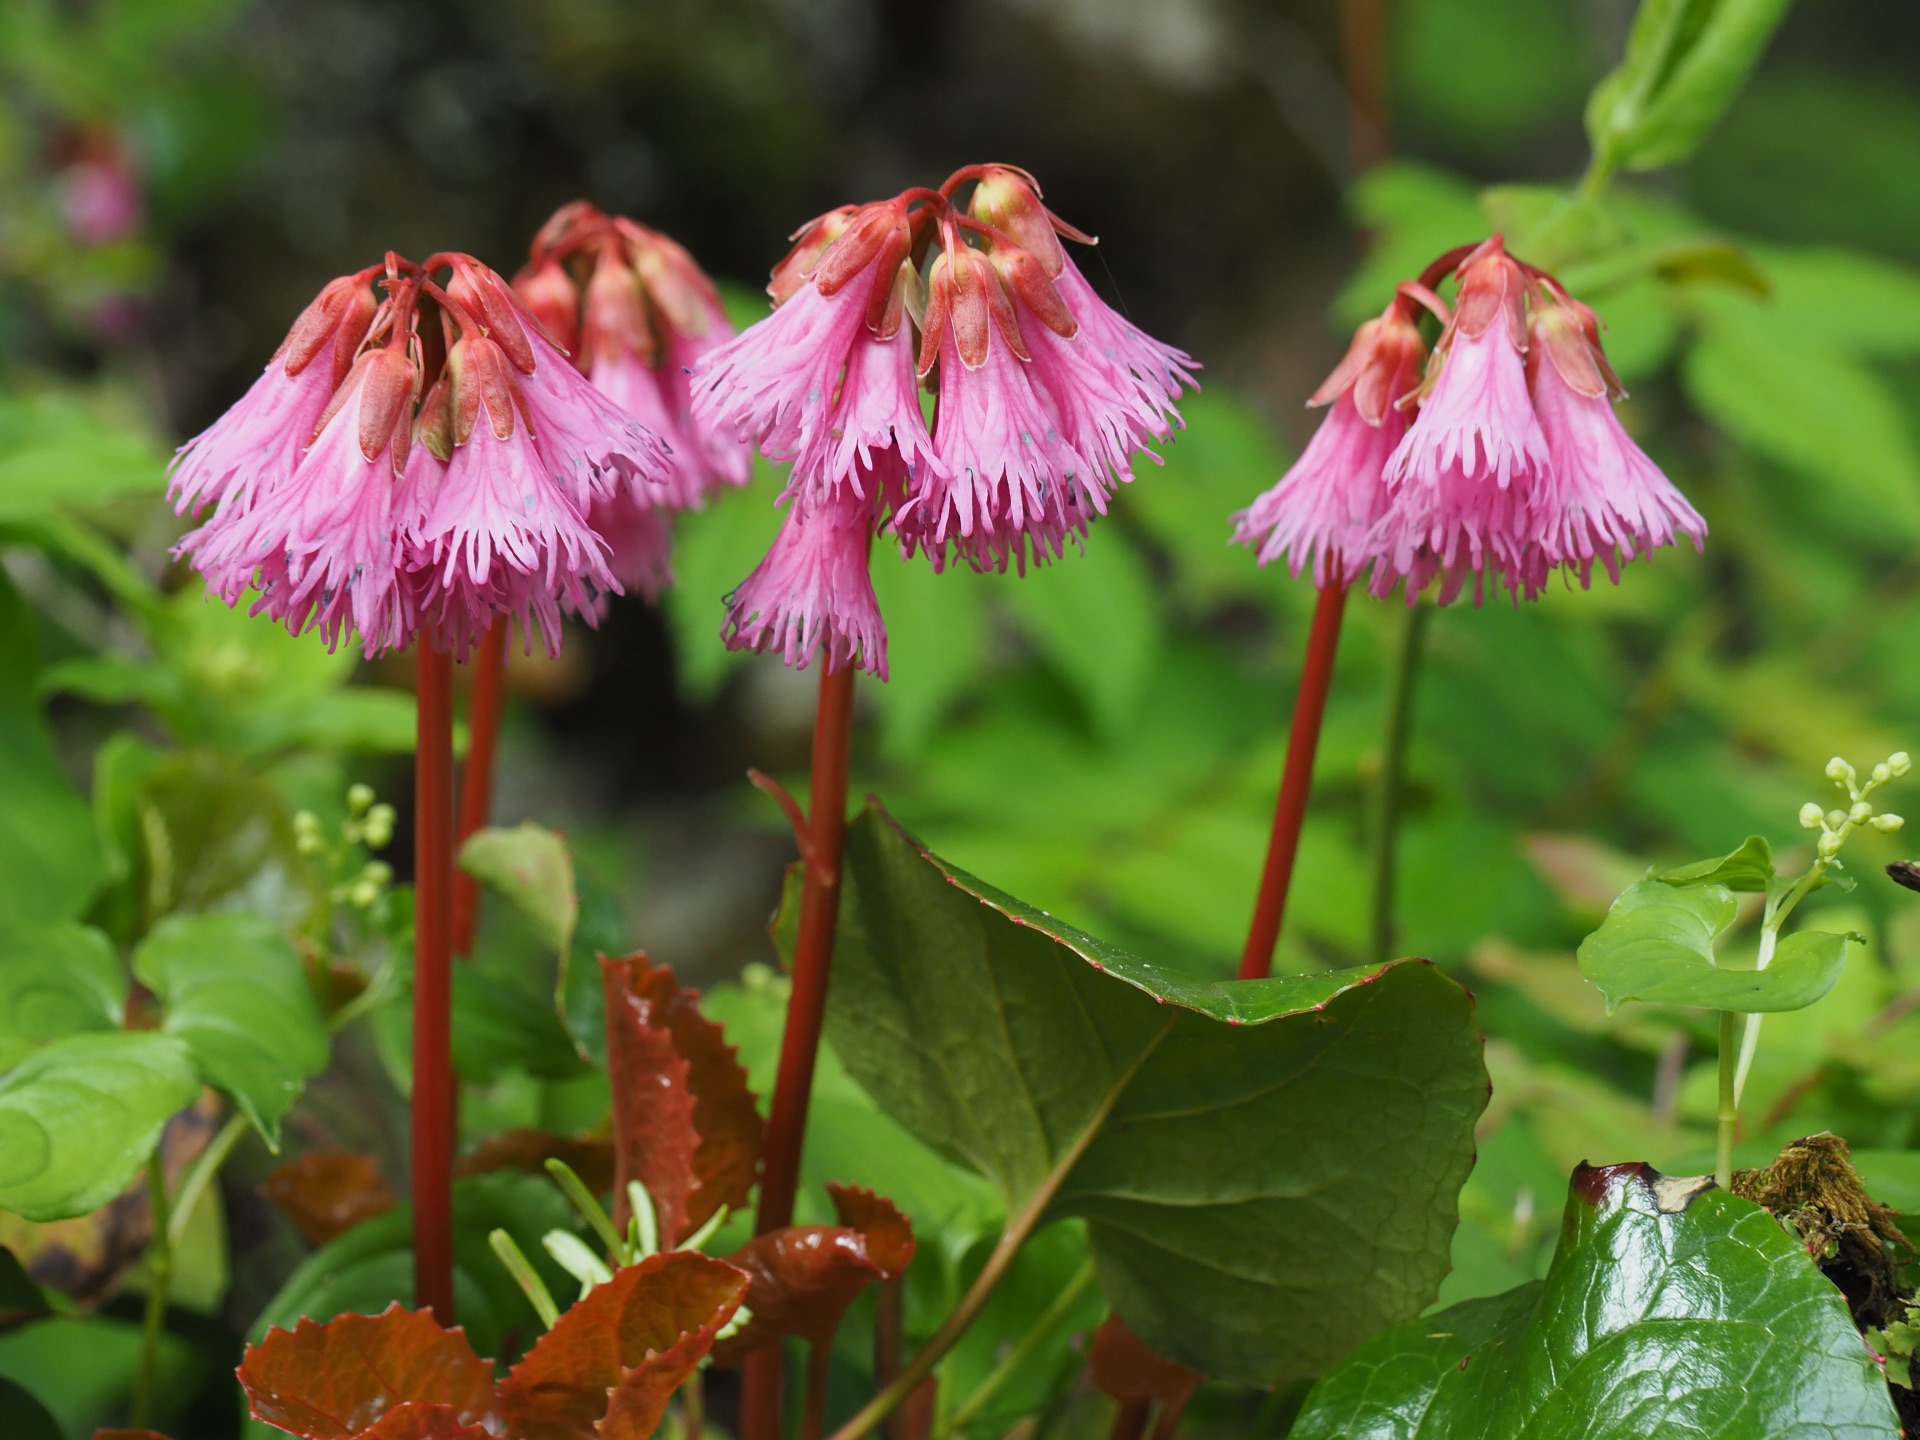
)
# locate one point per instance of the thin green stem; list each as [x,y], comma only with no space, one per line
[1024,1351]
[1393,761]
[1729,1112]
[159,1277]
[202,1174]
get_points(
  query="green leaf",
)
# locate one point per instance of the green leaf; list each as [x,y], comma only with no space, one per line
[578,994]
[1080,1078]
[56,451]
[500,1026]
[55,980]
[21,1300]
[236,991]
[1892,1177]
[713,551]
[80,1116]
[1094,616]
[1750,868]
[1816,410]
[532,869]
[1414,212]
[1656,946]
[22,1417]
[218,837]
[49,864]
[1685,61]
[1670,1308]
[937,635]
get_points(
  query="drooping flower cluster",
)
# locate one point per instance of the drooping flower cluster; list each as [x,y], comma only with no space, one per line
[637,314]
[1505,462]
[1042,395]
[416,456]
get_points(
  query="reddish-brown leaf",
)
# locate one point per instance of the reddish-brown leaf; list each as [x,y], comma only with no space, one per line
[805,1276]
[324,1193]
[335,1381]
[1122,1365]
[415,1421]
[640,1334]
[588,1156]
[888,1233]
[694,1160]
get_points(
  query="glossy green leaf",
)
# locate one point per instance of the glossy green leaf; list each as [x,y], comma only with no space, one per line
[500,1026]
[531,868]
[1670,1308]
[1044,1058]
[49,863]
[236,991]
[23,1417]
[55,980]
[80,1116]
[1750,868]
[1093,616]
[1685,61]
[1656,946]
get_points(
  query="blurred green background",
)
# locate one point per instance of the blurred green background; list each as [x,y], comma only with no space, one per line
[177,177]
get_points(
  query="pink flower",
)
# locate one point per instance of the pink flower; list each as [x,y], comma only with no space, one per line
[588,444]
[826,381]
[812,590]
[324,543]
[640,544]
[1009,480]
[646,315]
[255,445]
[1331,498]
[1609,501]
[1469,478]
[503,536]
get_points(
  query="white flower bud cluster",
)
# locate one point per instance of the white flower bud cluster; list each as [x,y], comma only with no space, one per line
[1835,825]
[368,823]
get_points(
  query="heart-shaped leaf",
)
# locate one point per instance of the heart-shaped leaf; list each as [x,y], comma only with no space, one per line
[80,1116]
[55,980]
[325,1193]
[805,1276]
[1656,946]
[236,991]
[1078,1077]
[336,1381]
[684,1121]
[637,1335]
[1670,1308]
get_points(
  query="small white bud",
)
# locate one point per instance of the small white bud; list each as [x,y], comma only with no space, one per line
[1810,815]
[1888,823]
[1860,813]
[1899,762]
[377,872]
[307,837]
[363,894]
[378,829]
[1838,769]
[359,797]
[1835,819]
[1882,773]
[1830,843]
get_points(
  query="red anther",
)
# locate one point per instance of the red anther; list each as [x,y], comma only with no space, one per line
[810,242]
[1026,275]
[567,229]
[616,319]
[873,230]
[546,289]
[388,388]
[344,309]
[886,301]
[487,296]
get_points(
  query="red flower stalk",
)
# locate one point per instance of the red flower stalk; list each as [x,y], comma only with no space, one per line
[1505,462]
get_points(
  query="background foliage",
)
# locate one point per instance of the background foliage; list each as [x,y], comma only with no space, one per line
[1101,738]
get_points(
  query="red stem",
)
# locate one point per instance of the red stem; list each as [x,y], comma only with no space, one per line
[476,776]
[433,1082]
[806,1009]
[813,1419]
[1295,782]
